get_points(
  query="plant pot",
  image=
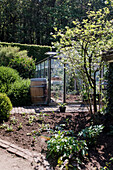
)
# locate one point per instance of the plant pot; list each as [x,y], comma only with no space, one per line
[62,109]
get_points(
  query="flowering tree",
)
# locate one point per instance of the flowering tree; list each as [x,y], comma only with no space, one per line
[83,45]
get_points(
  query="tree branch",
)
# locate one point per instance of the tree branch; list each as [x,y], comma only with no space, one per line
[85,67]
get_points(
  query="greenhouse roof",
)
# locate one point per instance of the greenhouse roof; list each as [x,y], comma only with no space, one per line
[51,55]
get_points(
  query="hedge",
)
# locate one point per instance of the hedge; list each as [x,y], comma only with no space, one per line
[36,51]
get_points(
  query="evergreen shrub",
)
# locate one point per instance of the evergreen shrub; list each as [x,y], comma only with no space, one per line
[19,93]
[23,64]
[5,106]
[7,77]
[19,60]
[6,54]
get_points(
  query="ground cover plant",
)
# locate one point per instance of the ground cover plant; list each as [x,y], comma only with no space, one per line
[57,134]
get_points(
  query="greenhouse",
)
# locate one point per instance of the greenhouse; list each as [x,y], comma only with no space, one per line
[61,87]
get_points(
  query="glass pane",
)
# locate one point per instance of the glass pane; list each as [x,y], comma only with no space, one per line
[46,69]
[72,88]
[56,80]
[37,74]
[42,70]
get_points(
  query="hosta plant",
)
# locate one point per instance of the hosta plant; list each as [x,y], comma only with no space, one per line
[67,148]
[90,133]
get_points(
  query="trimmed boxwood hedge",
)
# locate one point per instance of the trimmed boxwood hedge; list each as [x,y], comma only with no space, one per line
[36,51]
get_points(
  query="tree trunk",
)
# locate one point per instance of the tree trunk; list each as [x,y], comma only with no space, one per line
[94,95]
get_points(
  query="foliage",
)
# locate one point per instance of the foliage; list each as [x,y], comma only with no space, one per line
[108,164]
[7,77]
[18,90]
[6,54]
[65,147]
[62,104]
[13,120]
[90,133]
[19,93]
[32,21]
[110,89]
[23,64]
[82,47]
[9,128]
[4,125]
[20,126]
[36,51]
[13,57]
[70,83]
[5,106]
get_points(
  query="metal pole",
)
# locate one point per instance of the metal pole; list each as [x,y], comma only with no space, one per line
[49,80]
[40,70]
[64,90]
[44,70]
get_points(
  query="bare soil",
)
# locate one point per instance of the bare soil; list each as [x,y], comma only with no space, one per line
[31,131]
[70,98]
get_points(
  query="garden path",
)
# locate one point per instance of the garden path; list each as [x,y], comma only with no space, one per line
[12,162]
[37,109]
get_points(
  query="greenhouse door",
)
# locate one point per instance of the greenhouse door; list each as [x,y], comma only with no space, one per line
[57,77]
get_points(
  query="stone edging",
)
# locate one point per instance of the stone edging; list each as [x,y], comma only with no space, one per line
[35,158]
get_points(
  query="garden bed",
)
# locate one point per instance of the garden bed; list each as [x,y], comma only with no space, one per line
[70,98]
[31,131]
